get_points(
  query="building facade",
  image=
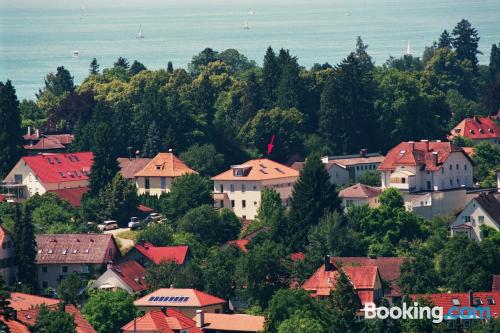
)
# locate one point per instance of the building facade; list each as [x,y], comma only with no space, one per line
[478,129]
[360,194]
[8,267]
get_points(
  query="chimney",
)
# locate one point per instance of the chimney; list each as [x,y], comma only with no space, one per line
[434,158]
[471,298]
[200,318]
[426,144]
[328,264]
[412,145]
[363,152]
[29,130]
[163,309]
[109,264]
[37,132]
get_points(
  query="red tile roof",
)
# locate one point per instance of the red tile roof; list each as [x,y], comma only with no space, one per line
[15,326]
[297,256]
[45,144]
[59,168]
[477,128]
[74,248]
[22,301]
[194,297]
[388,267]
[419,154]
[144,209]
[132,274]
[240,243]
[3,233]
[164,165]
[64,139]
[72,195]
[360,191]
[129,167]
[495,285]
[158,254]
[233,322]
[159,322]
[258,169]
[446,300]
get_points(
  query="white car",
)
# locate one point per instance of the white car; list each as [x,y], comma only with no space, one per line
[108,225]
[134,223]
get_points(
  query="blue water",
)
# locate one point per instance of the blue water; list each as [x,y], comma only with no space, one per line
[37,36]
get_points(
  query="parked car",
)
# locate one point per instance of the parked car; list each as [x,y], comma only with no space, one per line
[153,217]
[134,223]
[108,225]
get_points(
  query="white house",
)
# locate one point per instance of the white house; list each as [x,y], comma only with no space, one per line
[240,187]
[360,194]
[129,275]
[8,267]
[482,210]
[478,129]
[426,166]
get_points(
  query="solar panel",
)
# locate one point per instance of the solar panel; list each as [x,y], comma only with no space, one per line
[176,299]
[150,299]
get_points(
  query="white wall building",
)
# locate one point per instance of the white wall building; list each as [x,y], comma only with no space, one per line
[240,187]
[8,267]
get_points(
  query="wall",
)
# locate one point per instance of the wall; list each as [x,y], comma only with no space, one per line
[188,311]
[474,211]
[55,272]
[154,185]
[8,268]
[338,175]
[110,277]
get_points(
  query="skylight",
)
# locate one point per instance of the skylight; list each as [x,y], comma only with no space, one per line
[455,301]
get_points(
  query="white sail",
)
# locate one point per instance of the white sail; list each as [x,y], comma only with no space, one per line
[246,26]
[408,49]
[140,34]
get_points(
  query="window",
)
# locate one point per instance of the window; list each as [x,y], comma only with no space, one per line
[255,187]
[243,203]
[242,187]
[221,188]
[465,166]
[163,184]
[44,284]
[244,217]
[232,203]
[455,301]
[457,167]
[18,179]
[231,187]
[480,219]
[442,170]
[348,203]
[490,300]
[65,269]
[44,269]
[403,180]
[451,167]
[458,182]
[221,204]
[255,203]
[146,183]
[428,185]
[467,218]
[451,182]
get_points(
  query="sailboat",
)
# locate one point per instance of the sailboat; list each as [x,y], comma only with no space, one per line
[84,11]
[246,26]
[75,53]
[140,35]
[252,12]
[408,49]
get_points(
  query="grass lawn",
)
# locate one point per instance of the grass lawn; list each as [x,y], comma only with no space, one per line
[129,234]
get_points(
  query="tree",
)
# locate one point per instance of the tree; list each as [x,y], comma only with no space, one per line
[59,83]
[466,41]
[370,178]
[169,274]
[236,61]
[170,67]
[122,63]
[94,67]
[445,40]
[391,199]
[202,59]
[204,159]
[270,204]
[188,191]
[25,244]
[486,160]
[158,234]
[11,148]
[418,275]
[152,145]
[219,271]
[345,303]
[119,199]
[54,321]
[289,89]
[105,165]
[299,323]
[136,68]
[250,100]
[70,288]
[494,65]
[313,196]
[270,77]
[210,226]
[6,311]
[108,311]
[204,99]
[362,55]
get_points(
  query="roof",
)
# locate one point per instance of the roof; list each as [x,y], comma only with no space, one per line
[158,321]
[187,298]
[490,204]
[469,151]
[164,165]
[388,267]
[344,161]
[159,254]
[477,128]
[360,191]
[462,299]
[495,285]
[3,234]
[258,169]
[132,274]
[297,256]
[234,322]
[15,326]
[82,325]
[45,144]
[419,154]
[73,248]
[22,301]
[130,166]
[59,168]
[322,282]
[72,195]
[240,243]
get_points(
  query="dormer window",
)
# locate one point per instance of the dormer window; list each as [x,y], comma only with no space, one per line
[241,170]
[158,167]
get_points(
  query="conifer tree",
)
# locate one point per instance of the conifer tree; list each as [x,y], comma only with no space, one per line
[251,98]
[445,41]
[94,67]
[152,145]
[362,54]
[11,148]
[6,310]
[105,165]
[204,99]
[170,67]
[465,42]
[121,62]
[313,196]
[345,303]
[136,68]
[288,93]
[495,62]
[25,245]
[270,78]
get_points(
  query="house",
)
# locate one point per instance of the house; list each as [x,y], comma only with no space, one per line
[426,166]
[36,143]
[360,194]
[47,172]
[73,196]
[27,307]
[229,323]
[162,321]
[146,252]
[8,267]
[478,129]
[240,187]
[388,267]
[186,301]
[60,255]
[495,285]
[482,210]
[469,300]
[347,169]
[128,275]
[365,280]
[130,166]
[14,325]
[157,176]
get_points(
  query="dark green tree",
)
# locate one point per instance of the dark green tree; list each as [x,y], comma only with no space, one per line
[94,67]
[170,67]
[11,148]
[105,165]
[313,196]
[445,40]
[119,199]
[122,63]
[270,78]
[158,234]
[170,274]
[70,289]
[25,244]
[362,54]
[251,98]
[54,321]
[486,161]
[204,99]
[465,42]
[236,61]
[370,178]
[202,59]
[152,145]
[418,275]
[6,311]
[219,271]
[136,68]
[345,303]
[204,159]
[289,89]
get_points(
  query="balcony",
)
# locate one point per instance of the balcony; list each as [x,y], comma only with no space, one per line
[403,180]
[13,192]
